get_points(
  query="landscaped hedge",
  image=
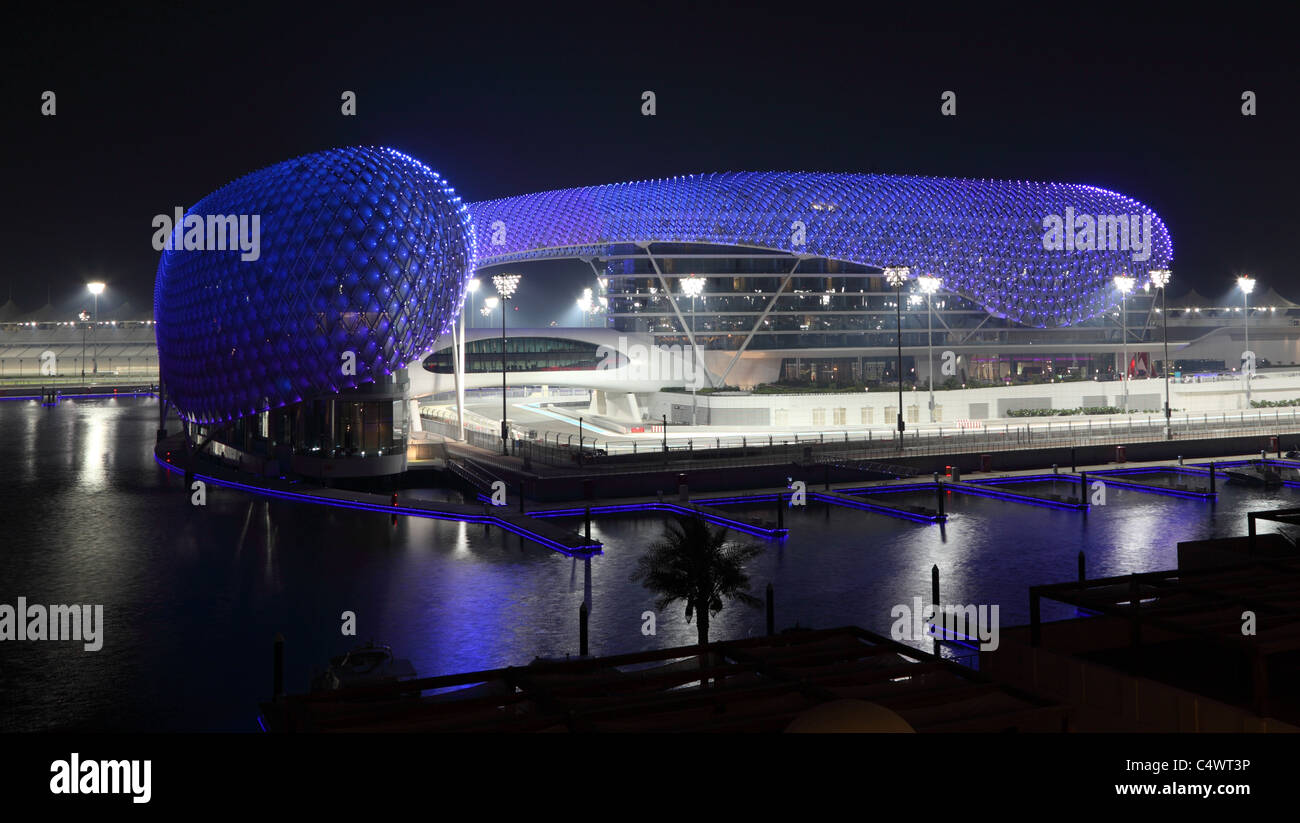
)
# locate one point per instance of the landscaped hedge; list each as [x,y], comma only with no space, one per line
[1064,412]
[1274,404]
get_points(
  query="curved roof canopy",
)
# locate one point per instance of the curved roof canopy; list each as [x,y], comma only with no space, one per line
[989,240]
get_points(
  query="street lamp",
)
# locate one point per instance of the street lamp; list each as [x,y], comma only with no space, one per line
[84,317]
[1125,284]
[585,305]
[1247,284]
[505,286]
[897,276]
[1160,278]
[929,285]
[472,286]
[692,287]
[96,289]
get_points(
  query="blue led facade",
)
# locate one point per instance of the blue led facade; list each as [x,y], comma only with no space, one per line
[363,250]
[985,238]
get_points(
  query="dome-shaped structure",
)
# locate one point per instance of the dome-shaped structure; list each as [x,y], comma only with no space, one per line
[360,263]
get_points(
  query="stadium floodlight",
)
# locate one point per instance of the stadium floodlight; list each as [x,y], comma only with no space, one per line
[505,285]
[1125,283]
[929,285]
[1247,285]
[1160,279]
[96,288]
[471,289]
[693,287]
[896,276]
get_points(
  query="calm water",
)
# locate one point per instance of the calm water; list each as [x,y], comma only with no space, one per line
[193,596]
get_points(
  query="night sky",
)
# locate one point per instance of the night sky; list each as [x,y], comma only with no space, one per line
[159,106]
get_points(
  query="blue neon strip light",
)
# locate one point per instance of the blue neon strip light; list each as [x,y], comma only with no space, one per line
[1109,475]
[737,525]
[298,497]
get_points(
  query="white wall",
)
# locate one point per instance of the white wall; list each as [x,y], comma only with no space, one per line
[1146,395]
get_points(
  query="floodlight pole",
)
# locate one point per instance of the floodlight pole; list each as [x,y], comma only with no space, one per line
[505,431]
[1123,309]
[1245,319]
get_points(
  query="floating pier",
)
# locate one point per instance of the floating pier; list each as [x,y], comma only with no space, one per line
[545,534]
[755,527]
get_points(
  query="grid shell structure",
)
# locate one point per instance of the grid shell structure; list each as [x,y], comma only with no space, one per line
[985,238]
[363,250]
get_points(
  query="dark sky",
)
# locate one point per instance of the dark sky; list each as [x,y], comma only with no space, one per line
[157,106]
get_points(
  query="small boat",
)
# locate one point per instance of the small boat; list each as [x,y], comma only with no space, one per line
[1257,474]
[368,665]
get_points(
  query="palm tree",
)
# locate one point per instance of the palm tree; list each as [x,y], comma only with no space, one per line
[698,565]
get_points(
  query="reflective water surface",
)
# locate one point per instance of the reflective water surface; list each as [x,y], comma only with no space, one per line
[193,596]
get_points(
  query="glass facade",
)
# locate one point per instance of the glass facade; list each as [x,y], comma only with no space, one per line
[526,354]
[759,300]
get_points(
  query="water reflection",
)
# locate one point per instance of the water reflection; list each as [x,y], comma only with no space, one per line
[194,595]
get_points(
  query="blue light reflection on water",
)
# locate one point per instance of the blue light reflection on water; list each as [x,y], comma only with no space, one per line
[192,597]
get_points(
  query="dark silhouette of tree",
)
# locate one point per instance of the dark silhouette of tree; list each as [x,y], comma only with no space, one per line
[700,566]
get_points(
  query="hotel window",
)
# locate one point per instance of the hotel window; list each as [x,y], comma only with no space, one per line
[782,417]
[819,417]
[868,415]
[839,416]
[913,414]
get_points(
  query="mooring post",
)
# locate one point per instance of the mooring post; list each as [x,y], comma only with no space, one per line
[1035,617]
[934,598]
[771,611]
[586,523]
[938,492]
[1083,487]
[582,630]
[277,668]
[780,510]
[1135,602]
[1212,490]
[1072,464]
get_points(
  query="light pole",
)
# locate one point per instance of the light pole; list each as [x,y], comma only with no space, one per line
[929,285]
[1161,277]
[1247,284]
[897,276]
[585,305]
[84,317]
[96,289]
[1125,284]
[505,285]
[472,286]
[692,287]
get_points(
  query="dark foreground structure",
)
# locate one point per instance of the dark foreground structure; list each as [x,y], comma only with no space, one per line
[1213,646]
[844,679]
